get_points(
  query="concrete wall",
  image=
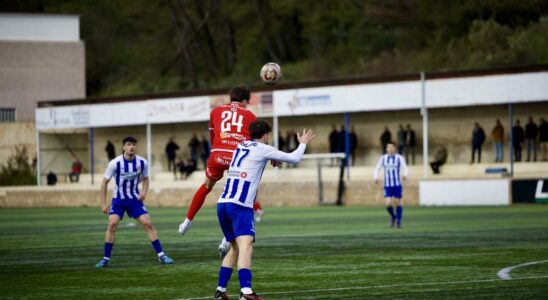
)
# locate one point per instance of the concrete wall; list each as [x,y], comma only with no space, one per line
[293,194]
[33,71]
[16,134]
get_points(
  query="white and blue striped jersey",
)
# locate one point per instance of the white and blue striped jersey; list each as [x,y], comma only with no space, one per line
[127,174]
[392,165]
[246,169]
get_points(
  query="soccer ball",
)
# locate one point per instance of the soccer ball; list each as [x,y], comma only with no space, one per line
[271,73]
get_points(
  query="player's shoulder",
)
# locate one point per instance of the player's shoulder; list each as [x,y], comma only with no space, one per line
[140,159]
[116,159]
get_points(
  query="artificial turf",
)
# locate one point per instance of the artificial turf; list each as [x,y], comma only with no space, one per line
[300,253]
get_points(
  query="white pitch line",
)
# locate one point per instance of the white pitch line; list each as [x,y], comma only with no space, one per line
[505,273]
[382,286]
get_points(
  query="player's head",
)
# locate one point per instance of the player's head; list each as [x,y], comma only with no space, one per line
[240,93]
[259,130]
[391,148]
[129,143]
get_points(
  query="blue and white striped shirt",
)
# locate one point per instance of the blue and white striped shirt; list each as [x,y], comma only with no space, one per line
[392,165]
[127,174]
[246,169]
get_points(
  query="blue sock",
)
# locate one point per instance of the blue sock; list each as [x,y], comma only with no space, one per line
[108,249]
[224,276]
[245,278]
[390,210]
[157,247]
[399,213]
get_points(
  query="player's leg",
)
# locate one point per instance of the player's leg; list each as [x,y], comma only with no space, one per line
[389,206]
[110,234]
[225,272]
[398,204]
[144,219]
[258,210]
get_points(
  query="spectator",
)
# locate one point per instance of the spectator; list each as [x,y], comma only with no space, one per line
[401,140]
[531,132]
[410,144]
[478,137]
[193,144]
[498,139]
[386,137]
[333,141]
[282,144]
[187,169]
[74,175]
[171,153]
[439,159]
[543,138]
[518,136]
[206,149]
[353,144]
[51,178]
[292,143]
[110,150]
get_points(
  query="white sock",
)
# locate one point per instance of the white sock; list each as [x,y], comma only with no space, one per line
[221,289]
[246,291]
[107,258]
[161,254]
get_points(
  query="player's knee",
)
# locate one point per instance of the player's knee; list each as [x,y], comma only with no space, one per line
[148,225]
[112,226]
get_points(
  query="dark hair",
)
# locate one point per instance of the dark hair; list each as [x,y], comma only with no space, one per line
[259,128]
[240,93]
[129,139]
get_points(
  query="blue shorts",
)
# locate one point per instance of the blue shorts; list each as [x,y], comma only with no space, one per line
[134,208]
[393,191]
[235,220]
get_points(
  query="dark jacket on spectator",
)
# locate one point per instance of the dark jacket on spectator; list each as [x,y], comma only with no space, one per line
[478,136]
[531,131]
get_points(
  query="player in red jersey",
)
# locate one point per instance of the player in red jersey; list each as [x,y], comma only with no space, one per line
[228,127]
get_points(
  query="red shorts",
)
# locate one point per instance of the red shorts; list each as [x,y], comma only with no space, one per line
[217,164]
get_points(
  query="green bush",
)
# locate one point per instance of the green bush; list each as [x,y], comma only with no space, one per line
[18,171]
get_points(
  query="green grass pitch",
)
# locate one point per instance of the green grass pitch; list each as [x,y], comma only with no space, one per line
[300,253]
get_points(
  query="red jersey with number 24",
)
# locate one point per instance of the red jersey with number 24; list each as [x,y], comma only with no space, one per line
[229,126]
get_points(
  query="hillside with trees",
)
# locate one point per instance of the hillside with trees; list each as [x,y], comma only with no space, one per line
[143,46]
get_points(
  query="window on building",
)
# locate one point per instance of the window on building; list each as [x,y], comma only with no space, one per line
[7,115]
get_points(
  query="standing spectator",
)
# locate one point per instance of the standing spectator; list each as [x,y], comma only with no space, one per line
[292,144]
[110,150]
[171,153]
[74,175]
[440,158]
[193,144]
[353,144]
[401,140]
[410,144]
[52,178]
[282,144]
[543,138]
[206,149]
[478,137]
[386,137]
[518,137]
[498,139]
[333,141]
[531,132]
[341,139]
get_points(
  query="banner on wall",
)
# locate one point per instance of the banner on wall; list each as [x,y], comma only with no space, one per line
[530,191]
[178,109]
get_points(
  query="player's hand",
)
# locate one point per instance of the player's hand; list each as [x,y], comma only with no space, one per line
[142,197]
[376,181]
[276,163]
[404,178]
[306,136]
[104,209]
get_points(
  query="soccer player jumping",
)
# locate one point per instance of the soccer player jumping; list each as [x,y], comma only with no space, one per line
[235,206]
[228,126]
[128,169]
[392,164]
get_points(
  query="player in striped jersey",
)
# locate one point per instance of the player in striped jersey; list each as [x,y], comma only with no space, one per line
[128,169]
[393,164]
[235,206]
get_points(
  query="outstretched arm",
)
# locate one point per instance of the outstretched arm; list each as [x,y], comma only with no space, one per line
[295,156]
[378,170]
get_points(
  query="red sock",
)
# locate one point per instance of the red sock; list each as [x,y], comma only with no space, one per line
[197,201]
[257,206]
